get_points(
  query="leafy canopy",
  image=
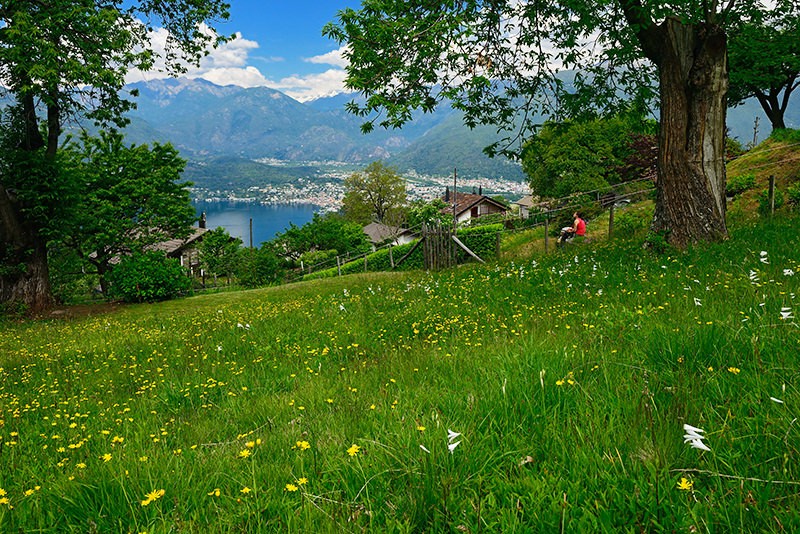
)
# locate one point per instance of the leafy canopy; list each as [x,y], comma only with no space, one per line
[131,198]
[504,62]
[375,194]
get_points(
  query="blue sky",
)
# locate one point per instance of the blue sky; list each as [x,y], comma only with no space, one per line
[280,45]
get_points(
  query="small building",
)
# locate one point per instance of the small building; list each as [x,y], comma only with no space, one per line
[380,234]
[470,205]
[525,204]
[184,249]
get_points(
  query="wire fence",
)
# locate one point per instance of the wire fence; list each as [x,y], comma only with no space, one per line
[542,214]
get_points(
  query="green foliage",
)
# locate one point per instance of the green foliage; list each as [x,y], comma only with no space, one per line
[482,240]
[317,257]
[785,135]
[739,184]
[569,157]
[421,212]
[376,194]
[323,232]
[793,195]
[764,204]
[68,279]
[131,198]
[259,267]
[630,222]
[148,277]
[658,243]
[764,60]
[219,252]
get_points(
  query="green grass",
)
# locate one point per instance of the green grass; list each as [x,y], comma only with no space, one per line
[569,377]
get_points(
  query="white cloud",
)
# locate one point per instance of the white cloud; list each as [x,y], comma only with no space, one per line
[229,65]
[334,57]
[310,86]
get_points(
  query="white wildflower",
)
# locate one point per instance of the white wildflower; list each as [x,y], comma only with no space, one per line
[452,435]
[694,436]
[788,272]
[424,448]
[453,446]
[786,313]
[773,399]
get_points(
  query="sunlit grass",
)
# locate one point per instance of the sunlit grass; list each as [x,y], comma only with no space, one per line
[327,406]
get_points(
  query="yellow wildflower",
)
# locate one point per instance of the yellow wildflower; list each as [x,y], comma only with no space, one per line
[106,457]
[214,493]
[245,490]
[353,450]
[291,487]
[245,453]
[303,445]
[301,481]
[685,484]
[153,496]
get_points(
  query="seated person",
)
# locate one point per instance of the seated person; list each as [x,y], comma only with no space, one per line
[578,228]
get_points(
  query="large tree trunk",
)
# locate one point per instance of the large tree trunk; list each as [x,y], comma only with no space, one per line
[24,276]
[690,205]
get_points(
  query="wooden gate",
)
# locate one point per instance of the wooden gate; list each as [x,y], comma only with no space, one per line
[438,249]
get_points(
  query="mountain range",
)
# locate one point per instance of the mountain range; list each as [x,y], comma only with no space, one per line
[229,133]
[211,124]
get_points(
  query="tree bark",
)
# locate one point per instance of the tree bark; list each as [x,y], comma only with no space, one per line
[24,276]
[692,61]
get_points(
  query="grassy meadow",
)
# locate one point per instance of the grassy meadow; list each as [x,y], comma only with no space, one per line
[546,393]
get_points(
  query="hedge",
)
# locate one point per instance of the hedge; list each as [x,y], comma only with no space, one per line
[482,240]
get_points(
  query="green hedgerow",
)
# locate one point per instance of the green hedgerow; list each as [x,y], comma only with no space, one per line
[148,277]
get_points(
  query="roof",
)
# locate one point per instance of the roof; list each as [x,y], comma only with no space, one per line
[378,233]
[172,246]
[465,202]
[526,202]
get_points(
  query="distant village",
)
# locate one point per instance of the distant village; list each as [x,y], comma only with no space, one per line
[327,190]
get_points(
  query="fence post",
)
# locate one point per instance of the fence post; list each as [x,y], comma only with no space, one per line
[610,221]
[546,231]
[338,265]
[772,194]
[391,257]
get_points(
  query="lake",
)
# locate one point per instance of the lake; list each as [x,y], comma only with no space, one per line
[268,219]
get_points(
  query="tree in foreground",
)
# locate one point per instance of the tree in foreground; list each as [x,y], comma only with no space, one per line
[131,198]
[765,62]
[378,193]
[62,60]
[499,62]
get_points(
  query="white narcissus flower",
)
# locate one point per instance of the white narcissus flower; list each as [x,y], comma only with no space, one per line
[788,272]
[773,399]
[453,446]
[786,313]
[452,435]
[424,448]
[697,302]
[694,436]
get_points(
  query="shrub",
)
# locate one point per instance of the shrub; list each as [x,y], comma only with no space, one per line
[793,194]
[764,204]
[629,222]
[148,277]
[739,184]
[259,267]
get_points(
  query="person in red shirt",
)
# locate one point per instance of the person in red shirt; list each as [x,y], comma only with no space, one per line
[578,228]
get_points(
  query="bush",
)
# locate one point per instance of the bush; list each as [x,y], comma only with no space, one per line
[764,205]
[259,267]
[785,135]
[629,222]
[148,277]
[739,184]
[793,194]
